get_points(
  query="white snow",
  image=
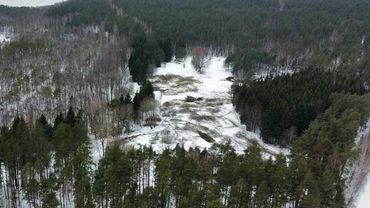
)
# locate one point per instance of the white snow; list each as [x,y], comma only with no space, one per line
[6,34]
[4,38]
[363,199]
[96,149]
[362,131]
[266,70]
[364,195]
[363,40]
[214,115]
[29,3]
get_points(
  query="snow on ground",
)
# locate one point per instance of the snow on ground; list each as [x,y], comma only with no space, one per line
[96,149]
[363,201]
[267,71]
[364,197]
[362,131]
[212,118]
[4,38]
[29,3]
[6,35]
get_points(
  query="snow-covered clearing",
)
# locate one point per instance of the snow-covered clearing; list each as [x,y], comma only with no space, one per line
[210,118]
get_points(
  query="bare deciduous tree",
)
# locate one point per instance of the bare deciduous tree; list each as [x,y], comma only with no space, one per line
[200,58]
[102,127]
[124,117]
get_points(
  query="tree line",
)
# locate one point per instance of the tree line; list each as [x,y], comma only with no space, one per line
[44,164]
[148,49]
[297,33]
[50,164]
[282,107]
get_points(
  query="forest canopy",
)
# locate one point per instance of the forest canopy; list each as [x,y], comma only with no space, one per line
[98,56]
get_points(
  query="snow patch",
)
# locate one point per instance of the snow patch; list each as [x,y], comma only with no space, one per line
[4,38]
[362,131]
[267,70]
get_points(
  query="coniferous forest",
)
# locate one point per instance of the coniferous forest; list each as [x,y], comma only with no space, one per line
[52,163]
[284,106]
[78,76]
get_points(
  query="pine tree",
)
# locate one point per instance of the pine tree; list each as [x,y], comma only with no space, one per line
[127,99]
[136,105]
[58,120]
[311,192]
[162,177]
[262,195]
[71,117]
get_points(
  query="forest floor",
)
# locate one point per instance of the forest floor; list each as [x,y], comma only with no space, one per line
[196,110]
